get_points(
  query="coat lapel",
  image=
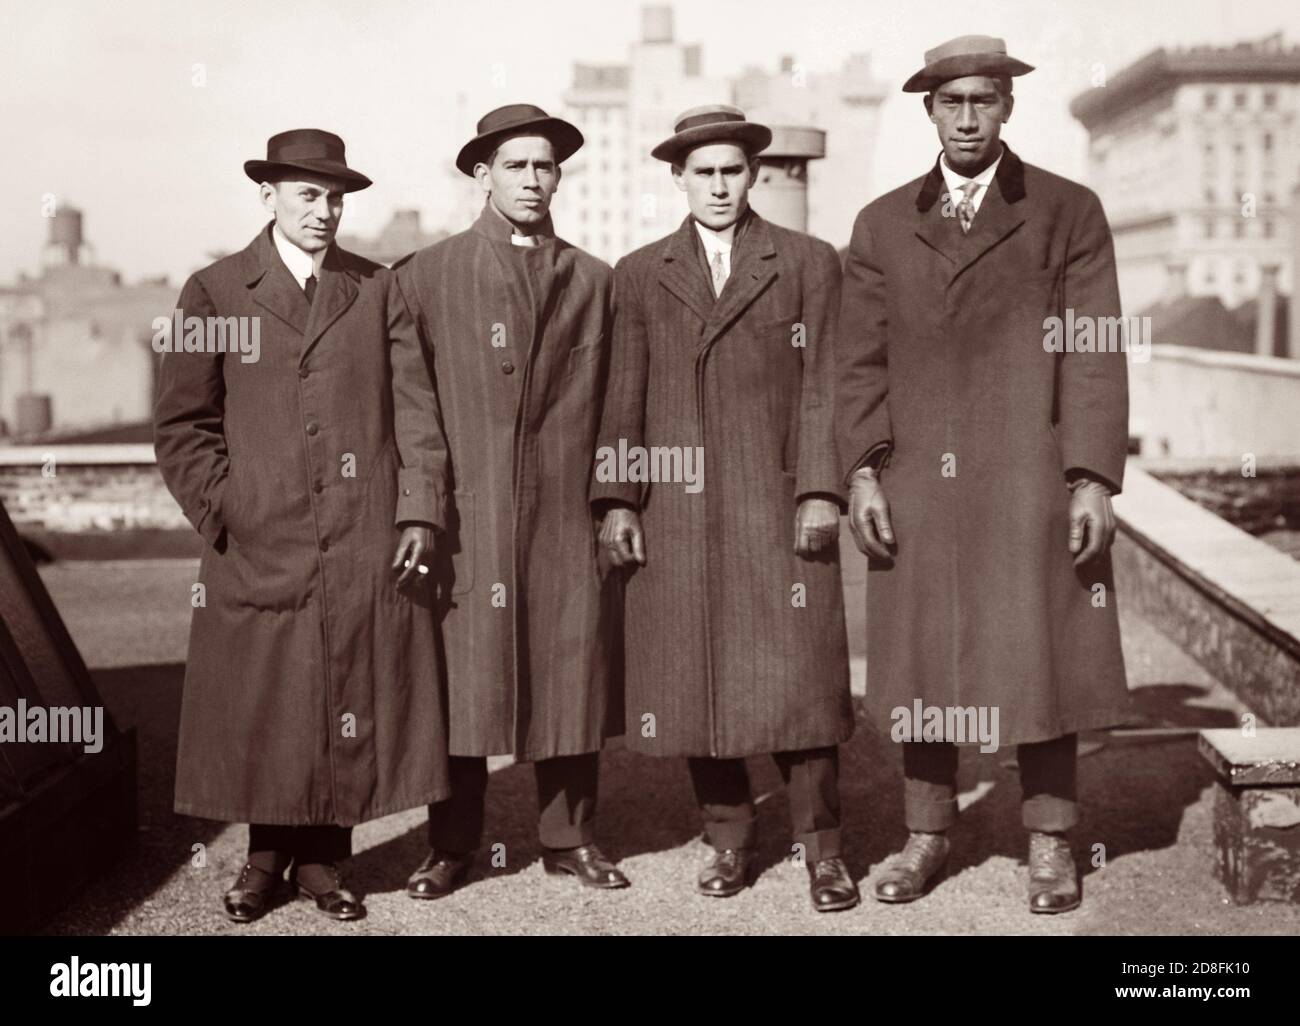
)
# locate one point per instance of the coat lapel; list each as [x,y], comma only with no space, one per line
[1000,213]
[681,275]
[753,271]
[273,286]
[336,292]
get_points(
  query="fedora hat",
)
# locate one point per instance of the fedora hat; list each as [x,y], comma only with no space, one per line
[306,149]
[712,123]
[965,55]
[518,119]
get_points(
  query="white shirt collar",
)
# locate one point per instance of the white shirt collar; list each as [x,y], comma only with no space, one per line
[955,181]
[713,242]
[299,262]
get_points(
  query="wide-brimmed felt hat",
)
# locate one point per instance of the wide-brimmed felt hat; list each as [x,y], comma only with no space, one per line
[518,119]
[965,55]
[712,123]
[306,149]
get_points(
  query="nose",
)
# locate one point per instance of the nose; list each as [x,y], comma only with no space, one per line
[718,186]
[530,177]
[966,120]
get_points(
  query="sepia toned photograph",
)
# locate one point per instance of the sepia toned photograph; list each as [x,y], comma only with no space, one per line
[826,473]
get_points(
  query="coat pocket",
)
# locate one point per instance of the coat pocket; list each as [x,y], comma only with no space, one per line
[461,543]
[585,356]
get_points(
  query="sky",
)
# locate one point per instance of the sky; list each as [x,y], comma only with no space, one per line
[142,112]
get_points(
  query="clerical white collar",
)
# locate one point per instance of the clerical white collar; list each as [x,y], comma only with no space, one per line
[300,263]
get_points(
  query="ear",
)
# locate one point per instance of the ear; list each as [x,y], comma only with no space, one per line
[1011,102]
[559,173]
[754,165]
[483,175]
[679,177]
[266,192]
[928,100]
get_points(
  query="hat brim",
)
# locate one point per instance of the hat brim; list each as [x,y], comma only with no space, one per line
[268,170]
[752,138]
[565,137]
[993,65]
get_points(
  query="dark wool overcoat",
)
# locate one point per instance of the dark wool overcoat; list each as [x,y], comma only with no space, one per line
[310,688]
[497,395]
[735,644]
[944,371]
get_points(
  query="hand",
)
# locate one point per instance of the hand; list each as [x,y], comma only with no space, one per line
[414,554]
[1090,515]
[622,537]
[869,515]
[816,525]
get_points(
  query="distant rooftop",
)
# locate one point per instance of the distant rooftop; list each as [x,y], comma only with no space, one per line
[1264,60]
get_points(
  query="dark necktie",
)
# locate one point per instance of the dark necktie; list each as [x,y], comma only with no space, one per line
[309,287]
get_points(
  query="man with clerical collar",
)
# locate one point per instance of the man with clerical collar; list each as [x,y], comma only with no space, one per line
[989,588]
[500,388]
[309,704]
[735,641]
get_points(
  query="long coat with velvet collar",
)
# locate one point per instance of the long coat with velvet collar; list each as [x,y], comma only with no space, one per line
[497,395]
[944,372]
[310,688]
[735,644]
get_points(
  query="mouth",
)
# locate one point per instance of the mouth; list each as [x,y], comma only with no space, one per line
[969,144]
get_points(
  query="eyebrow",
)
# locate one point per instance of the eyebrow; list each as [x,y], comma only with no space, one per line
[727,169]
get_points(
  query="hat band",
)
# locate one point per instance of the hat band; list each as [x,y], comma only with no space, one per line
[712,118]
[306,151]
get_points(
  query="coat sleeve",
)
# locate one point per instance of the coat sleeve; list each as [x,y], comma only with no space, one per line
[417,413]
[863,430]
[189,423]
[1092,387]
[818,471]
[623,413]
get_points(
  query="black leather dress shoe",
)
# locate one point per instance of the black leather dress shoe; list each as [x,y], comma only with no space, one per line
[439,874]
[726,873]
[252,894]
[913,870]
[831,887]
[1053,876]
[587,863]
[333,900]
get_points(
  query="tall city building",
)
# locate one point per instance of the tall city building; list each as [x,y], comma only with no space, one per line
[615,197]
[1195,154]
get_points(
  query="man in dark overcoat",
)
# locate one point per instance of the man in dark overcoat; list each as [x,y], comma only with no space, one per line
[310,701]
[497,393]
[990,596]
[717,467]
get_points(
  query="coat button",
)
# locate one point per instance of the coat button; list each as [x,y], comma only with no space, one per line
[324,545]
[312,427]
[507,368]
[303,372]
[317,487]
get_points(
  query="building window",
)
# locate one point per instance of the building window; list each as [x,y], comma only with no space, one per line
[1270,99]
[1239,229]
[1239,99]
[1209,227]
[1268,142]
[1268,227]
[1209,275]
[1211,98]
[1209,196]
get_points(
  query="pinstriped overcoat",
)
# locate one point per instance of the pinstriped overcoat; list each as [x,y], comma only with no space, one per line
[497,397]
[735,644]
[310,686]
[942,362]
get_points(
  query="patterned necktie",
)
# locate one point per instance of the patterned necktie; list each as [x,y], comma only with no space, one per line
[309,287]
[966,209]
[719,270]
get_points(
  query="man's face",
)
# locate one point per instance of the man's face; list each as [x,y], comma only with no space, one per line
[716,179]
[969,114]
[522,178]
[307,209]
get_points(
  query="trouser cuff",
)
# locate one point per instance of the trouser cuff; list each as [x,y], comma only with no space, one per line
[1049,813]
[731,833]
[822,844]
[929,816]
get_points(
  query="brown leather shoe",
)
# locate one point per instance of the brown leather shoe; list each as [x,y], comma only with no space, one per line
[439,874]
[914,870]
[252,894]
[831,887]
[333,900]
[588,863]
[726,873]
[1053,875]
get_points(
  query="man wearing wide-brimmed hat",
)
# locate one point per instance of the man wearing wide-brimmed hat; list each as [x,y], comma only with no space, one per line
[724,347]
[497,397]
[990,595]
[309,701]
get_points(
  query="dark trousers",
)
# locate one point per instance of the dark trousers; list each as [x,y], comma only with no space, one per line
[566,801]
[812,786]
[1048,782]
[272,848]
